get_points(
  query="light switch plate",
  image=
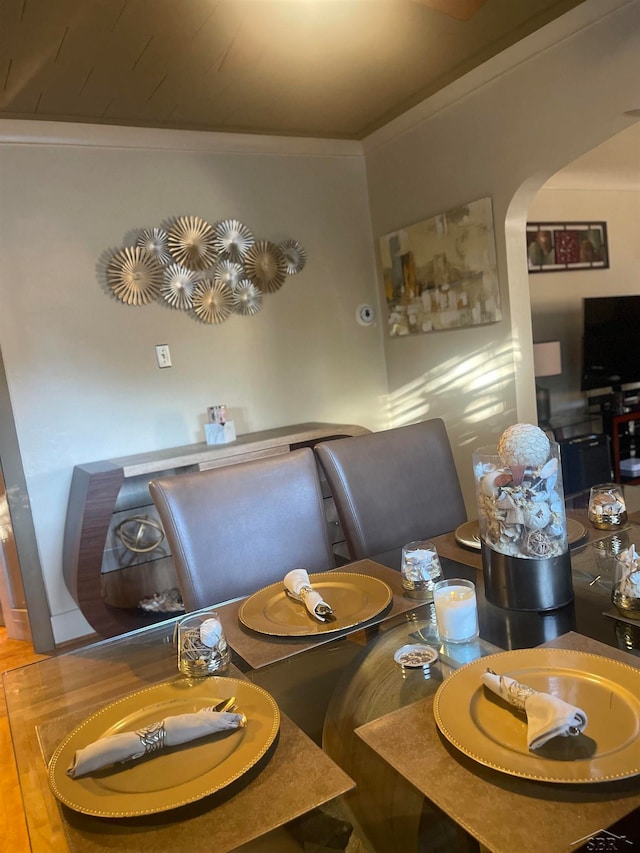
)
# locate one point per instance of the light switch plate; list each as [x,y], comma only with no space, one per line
[163,355]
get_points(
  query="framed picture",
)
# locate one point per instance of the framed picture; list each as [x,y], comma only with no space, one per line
[441,273]
[560,246]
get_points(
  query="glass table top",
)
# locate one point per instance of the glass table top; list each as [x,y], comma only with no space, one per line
[309,686]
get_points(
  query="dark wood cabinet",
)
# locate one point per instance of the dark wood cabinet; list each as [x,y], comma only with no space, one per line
[106,579]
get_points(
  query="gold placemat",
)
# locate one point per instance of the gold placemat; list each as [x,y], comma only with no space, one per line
[468,534]
[492,733]
[297,778]
[175,776]
[261,650]
[355,598]
[503,813]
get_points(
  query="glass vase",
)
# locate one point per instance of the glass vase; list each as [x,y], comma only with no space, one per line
[523,531]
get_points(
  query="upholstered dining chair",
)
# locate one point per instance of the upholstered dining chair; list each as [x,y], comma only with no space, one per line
[234,530]
[393,487]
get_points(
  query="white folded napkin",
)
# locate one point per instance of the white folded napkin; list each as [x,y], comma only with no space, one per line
[172,731]
[298,585]
[547,715]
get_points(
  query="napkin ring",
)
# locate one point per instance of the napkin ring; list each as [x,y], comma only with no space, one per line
[322,609]
[517,693]
[514,692]
[152,737]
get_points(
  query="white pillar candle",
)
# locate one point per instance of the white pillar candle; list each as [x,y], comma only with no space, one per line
[456,610]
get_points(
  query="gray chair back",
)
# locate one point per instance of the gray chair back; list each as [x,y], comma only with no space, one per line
[393,487]
[236,529]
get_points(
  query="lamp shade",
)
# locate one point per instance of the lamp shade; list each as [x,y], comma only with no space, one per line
[547,359]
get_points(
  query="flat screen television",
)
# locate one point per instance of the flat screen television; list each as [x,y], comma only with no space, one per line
[610,342]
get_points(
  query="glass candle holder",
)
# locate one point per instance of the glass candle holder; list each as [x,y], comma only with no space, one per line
[420,569]
[625,590]
[456,610]
[607,507]
[202,646]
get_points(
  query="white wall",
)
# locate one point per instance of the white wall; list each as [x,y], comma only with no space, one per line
[81,366]
[501,132]
[556,298]
[603,184]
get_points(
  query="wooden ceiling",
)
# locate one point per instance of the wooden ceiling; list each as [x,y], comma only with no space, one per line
[318,68]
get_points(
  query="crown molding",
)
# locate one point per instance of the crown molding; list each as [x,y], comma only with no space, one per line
[25,132]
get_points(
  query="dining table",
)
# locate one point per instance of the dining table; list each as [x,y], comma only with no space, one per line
[355,730]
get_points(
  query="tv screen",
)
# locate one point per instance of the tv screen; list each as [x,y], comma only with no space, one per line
[611,342]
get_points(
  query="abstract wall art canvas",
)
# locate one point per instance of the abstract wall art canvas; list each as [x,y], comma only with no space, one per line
[442,273]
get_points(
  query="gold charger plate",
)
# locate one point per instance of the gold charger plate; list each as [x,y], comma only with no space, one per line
[488,730]
[354,599]
[468,534]
[174,776]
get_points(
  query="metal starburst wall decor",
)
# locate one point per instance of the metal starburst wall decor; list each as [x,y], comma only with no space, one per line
[212,271]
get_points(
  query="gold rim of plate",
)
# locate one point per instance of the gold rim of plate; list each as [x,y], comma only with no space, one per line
[354,598]
[488,730]
[175,776]
[468,534]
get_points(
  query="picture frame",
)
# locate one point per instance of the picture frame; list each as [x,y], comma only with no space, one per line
[562,246]
[441,274]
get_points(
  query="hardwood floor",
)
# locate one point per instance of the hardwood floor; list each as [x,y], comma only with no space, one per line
[13,829]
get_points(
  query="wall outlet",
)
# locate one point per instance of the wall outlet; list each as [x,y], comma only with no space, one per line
[163,355]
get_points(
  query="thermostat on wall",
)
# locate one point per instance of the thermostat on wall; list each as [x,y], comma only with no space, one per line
[365,315]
